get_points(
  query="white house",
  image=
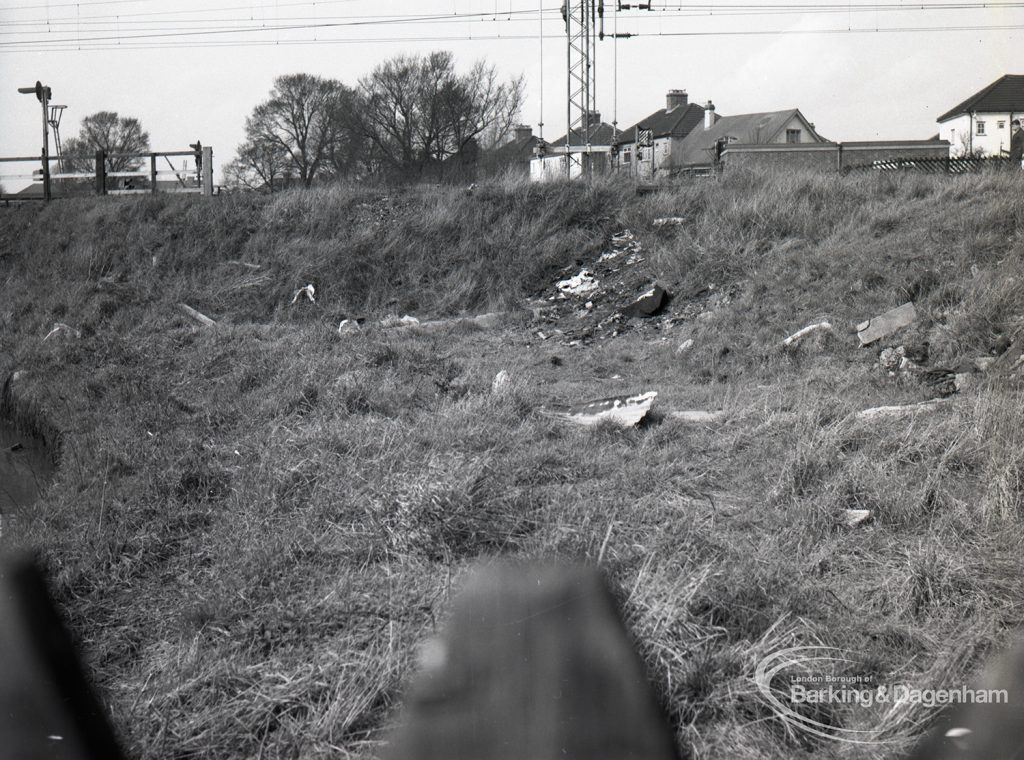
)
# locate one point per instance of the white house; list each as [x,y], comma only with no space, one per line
[645,149]
[981,124]
[550,161]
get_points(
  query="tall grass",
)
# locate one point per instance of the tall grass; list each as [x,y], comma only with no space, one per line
[254,525]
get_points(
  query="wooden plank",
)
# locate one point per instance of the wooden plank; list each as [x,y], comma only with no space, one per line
[196,315]
[534,664]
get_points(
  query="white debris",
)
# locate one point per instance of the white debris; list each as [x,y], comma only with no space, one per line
[392,320]
[348,326]
[501,382]
[799,334]
[670,221]
[685,346]
[900,411]
[982,363]
[309,292]
[696,415]
[626,411]
[582,283]
[855,517]
[59,328]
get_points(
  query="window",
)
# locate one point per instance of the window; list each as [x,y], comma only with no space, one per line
[1001,124]
[792,135]
[980,127]
[627,156]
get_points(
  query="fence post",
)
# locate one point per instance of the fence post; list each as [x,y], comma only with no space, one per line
[46,176]
[152,173]
[207,171]
[101,173]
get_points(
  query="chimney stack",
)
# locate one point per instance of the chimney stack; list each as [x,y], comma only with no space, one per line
[523,131]
[676,98]
[709,115]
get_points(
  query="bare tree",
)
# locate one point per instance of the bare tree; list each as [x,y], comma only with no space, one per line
[113,134]
[305,120]
[258,166]
[419,111]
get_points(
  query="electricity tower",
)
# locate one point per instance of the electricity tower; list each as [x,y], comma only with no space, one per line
[584,25]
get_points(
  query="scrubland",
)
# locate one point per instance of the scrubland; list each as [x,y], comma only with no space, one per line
[254,525]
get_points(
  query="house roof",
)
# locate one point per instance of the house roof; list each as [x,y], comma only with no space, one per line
[698,147]
[678,122]
[1003,95]
[514,150]
[602,135]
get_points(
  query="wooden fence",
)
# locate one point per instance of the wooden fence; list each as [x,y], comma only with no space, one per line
[966,165]
[146,177]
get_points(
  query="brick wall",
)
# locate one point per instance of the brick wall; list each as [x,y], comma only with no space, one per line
[830,156]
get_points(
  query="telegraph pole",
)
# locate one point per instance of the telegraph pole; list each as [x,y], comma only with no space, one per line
[43,96]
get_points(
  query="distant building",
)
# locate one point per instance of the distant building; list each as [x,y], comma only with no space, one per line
[515,155]
[550,163]
[980,125]
[702,149]
[646,148]
[684,138]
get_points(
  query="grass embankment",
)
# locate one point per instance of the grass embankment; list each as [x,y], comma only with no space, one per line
[254,525]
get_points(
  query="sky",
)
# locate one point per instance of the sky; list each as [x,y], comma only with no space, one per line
[865,70]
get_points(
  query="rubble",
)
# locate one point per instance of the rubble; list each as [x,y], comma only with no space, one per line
[579,285]
[685,346]
[800,334]
[349,326]
[648,304]
[886,324]
[1012,359]
[625,411]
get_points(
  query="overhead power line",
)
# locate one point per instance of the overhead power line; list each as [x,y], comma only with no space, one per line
[275,27]
[503,38]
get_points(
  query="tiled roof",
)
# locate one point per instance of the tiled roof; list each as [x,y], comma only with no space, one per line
[697,149]
[515,150]
[601,136]
[678,122]
[1004,95]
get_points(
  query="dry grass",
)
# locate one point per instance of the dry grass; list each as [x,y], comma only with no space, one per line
[255,525]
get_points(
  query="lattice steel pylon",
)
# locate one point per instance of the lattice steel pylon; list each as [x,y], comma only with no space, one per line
[584,25]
